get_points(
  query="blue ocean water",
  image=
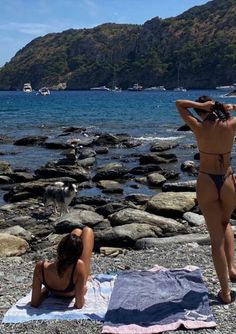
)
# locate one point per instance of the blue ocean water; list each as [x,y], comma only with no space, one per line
[146,115]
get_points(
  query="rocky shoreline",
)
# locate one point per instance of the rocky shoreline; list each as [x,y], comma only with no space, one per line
[156,222]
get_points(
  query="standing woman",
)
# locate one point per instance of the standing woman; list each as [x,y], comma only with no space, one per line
[68,274]
[216,192]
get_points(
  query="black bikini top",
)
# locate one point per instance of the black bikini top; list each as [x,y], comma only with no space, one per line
[69,288]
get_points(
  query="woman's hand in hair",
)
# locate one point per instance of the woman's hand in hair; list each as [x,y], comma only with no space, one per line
[208,106]
[230,107]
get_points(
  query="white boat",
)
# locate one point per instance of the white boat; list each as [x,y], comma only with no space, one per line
[180,89]
[226,87]
[157,89]
[116,89]
[43,91]
[100,88]
[136,88]
[231,94]
[27,88]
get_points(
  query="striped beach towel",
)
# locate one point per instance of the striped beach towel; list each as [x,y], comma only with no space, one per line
[56,308]
[145,302]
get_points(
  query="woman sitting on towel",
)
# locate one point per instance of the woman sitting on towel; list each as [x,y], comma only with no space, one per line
[67,276]
[216,192]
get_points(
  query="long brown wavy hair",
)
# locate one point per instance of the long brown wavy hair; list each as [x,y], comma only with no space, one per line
[69,250]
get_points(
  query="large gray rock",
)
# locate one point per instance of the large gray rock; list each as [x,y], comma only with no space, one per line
[172,204]
[77,218]
[126,235]
[31,140]
[133,216]
[202,239]
[76,172]
[11,245]
[18,231]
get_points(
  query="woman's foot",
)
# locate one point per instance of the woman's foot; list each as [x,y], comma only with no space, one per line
[225,298]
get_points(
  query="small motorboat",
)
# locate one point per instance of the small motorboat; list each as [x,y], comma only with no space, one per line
[43,91]
[27,88]
[136,88]
[100,88]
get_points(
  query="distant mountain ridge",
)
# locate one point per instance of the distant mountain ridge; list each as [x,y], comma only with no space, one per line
[201,42]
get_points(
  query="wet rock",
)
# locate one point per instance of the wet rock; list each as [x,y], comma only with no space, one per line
[160,146]
[102,150]
[107,139]
[110,186]
[21,177]
[31,140]
[156,179]
[131,143]
[87,153]
[184,127]
[180,186]
[11,245]
[5,168]
[138,199]
[56,145]
[85,163]
[172,204]
[76,172]
[157,158]
[5,179]
[143,170]
[74,129]
[92,200]
[190,167]
[110,171]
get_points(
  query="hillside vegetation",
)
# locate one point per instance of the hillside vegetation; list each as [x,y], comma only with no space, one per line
[201,42]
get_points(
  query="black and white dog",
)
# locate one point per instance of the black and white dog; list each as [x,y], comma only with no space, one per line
[60,196]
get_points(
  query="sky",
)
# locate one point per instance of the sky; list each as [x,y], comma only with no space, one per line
[23,20]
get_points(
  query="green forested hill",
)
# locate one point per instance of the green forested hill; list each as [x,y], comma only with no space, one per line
[201,42]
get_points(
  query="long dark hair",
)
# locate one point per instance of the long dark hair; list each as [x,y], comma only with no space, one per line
[218,109]
[69,250]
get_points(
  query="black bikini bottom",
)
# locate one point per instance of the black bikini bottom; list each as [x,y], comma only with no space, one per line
[219,179]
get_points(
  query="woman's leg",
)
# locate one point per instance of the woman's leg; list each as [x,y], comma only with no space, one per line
[88,243]
[212,210]
[228,195]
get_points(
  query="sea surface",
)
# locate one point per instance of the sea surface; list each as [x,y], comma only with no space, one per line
[146,115]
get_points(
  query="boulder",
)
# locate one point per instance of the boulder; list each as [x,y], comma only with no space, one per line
[110,208]
[125,235]
[102,150]
[76,172]
[77,218]
[87,153]
[18,231]
[202,239]
[138,199]
[133,216]
[11,245]
[5,168]
[190,167]
[143,170]
[172,204]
